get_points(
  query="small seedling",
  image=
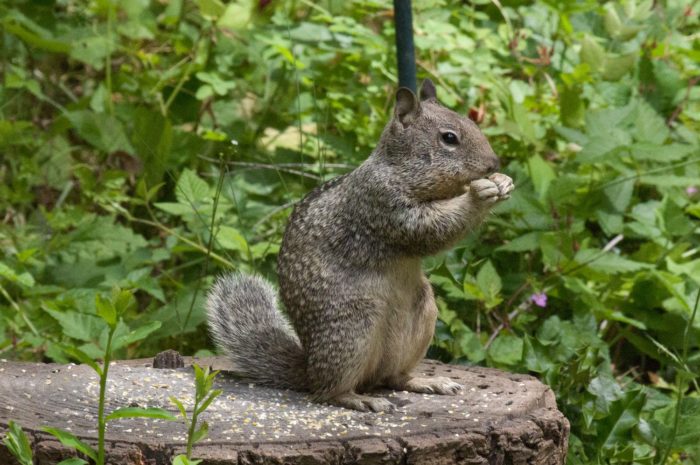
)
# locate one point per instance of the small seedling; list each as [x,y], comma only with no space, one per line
[18,444]
[204,396]
[110,311]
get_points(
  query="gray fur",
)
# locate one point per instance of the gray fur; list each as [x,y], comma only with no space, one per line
[349,266]
[245,324]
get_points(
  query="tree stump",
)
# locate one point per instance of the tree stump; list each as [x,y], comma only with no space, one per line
[500,418]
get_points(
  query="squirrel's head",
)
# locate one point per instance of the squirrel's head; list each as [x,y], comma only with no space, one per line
[435,151]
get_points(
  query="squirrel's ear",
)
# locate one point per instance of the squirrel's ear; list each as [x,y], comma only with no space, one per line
[407,106]
[428,91]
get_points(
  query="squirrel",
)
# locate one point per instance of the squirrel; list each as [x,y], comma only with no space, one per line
[362,313]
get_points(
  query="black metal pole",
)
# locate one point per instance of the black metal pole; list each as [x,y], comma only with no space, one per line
[405,53]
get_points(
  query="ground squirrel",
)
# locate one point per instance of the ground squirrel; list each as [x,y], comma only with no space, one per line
[362,313]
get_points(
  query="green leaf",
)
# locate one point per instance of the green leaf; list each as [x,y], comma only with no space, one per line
[489,283]
[122,300]
[611,223]
[103,131]
[173,208]
[571,107]
[613,25]
[24,279]
[524,121]
[19,25]
[690,268]
[183,460]
[201,433]
[237,15]
[470,345]
[212,395]
[623,416]
[649,125]
[218,85]
[620,195]
[92,51]
[70,440]
[18,444]
[592,53]
[608,262]
[78,325]
[200,378]
[81,357]
[73,461]
[172,13]
[541,174]
[191,189]
[138,412]
[448,286]
[688,427]
[606,392]
[210,9]
[231,239]
[506,349]
[136,335]
[617,66]
[646,151]
[106,311]
[179,406]
[153,139]
[524,243]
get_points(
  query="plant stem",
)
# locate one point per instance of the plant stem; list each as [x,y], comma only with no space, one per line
[193,427]
[101,423]
[108,59]
[217,195]
[679,380]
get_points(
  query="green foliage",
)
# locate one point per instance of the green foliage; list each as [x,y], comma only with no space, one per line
[153,144]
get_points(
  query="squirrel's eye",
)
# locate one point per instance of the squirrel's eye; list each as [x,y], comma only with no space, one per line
[450,138]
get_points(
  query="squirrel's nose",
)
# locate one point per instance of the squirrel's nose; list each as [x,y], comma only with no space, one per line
[493,164]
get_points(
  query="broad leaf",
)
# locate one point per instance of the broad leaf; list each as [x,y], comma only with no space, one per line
[78,325]
[136,335]
[104,132]
[623,417]
[191,189]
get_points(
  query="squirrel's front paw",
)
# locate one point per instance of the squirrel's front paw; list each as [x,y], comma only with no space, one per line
[504,184]
[490,190]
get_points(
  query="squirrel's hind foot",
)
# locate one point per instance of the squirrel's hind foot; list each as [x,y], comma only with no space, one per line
[362,403]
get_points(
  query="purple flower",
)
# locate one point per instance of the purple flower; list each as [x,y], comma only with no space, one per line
[691,190]
[539,299]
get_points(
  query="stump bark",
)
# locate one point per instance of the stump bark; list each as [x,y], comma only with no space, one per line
[500,418]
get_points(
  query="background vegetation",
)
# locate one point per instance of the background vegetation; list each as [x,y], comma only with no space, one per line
[131,129]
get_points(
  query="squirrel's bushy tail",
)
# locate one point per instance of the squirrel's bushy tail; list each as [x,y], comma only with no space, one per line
[246,324]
